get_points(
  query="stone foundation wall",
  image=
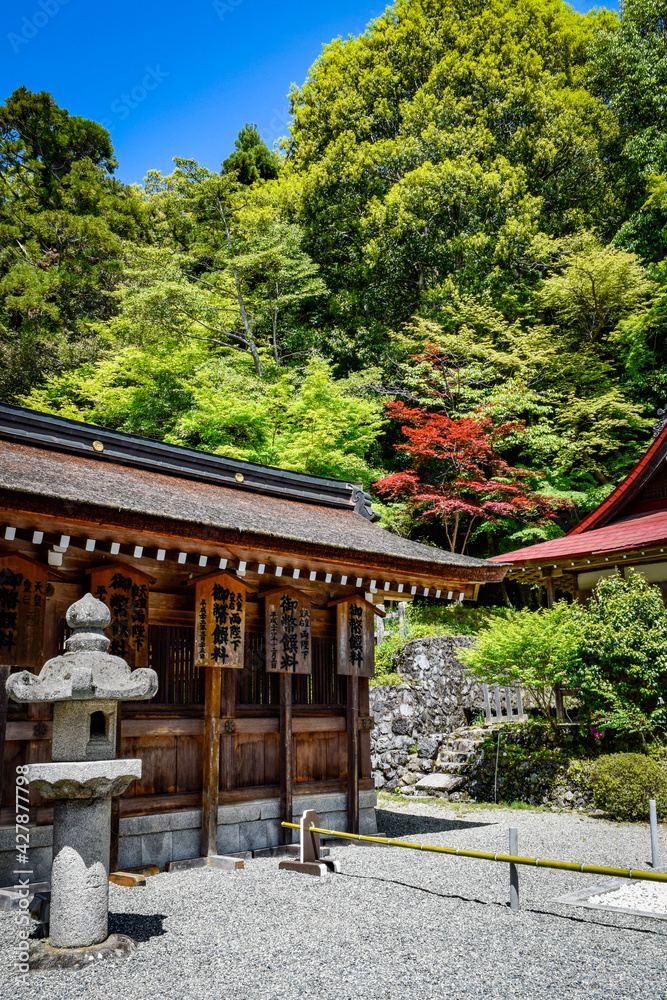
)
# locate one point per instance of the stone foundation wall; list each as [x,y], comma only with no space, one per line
[436,698]
[174,836]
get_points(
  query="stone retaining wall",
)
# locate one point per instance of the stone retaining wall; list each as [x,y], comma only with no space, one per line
[436,698]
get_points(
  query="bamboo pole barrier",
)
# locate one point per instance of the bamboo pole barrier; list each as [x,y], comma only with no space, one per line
[459,852]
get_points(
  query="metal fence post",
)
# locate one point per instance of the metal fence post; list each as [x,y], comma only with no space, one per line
[653,819]
[514,871]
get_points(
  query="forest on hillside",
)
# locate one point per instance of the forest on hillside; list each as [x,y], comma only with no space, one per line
[447,282]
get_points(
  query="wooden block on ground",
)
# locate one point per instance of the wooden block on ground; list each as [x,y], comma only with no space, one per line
[286,850]
[146,870]
[187,864]
[128,879]
[225,862]
[304,867]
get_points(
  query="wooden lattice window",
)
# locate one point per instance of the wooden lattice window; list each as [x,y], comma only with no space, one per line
[321,687]
[171,655]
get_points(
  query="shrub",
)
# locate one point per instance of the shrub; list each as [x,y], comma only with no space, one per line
[535,649]
[623,656]
[624,782]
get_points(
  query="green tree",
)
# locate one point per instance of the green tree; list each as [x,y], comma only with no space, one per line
[238,273]
[534,649]
[251,160]
[623,668]
[628,70]
[63,222]
[181,392]
[439,128]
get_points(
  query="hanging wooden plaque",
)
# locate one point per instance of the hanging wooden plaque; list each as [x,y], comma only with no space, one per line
[355,646]
[220,602]
[288,631]
[22,607]
[124,590]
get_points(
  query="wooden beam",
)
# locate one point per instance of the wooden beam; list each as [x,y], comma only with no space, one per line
[211,770]
[138,728]
[227,727]
[286,755]
[353,754]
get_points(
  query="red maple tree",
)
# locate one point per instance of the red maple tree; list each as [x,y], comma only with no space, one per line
[458,475]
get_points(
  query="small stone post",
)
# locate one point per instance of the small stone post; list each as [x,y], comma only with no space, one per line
[401,616]
[85,685]
[653,820]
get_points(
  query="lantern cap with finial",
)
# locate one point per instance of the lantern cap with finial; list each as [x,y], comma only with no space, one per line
[86,671]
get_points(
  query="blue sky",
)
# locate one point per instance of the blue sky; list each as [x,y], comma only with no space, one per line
[176,78]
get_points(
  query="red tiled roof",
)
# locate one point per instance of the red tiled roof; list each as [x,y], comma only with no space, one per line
[633,533]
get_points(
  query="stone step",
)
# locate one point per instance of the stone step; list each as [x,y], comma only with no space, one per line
[445,768]
[455,756]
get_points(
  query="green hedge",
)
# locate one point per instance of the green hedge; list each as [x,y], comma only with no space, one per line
[623,783]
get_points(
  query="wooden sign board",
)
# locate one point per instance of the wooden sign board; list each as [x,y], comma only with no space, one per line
[220,603]
[355,646]
[22,608]
[288,632]
[124,590]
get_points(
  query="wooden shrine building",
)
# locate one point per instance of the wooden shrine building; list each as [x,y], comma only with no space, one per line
[628,529]
[252,592]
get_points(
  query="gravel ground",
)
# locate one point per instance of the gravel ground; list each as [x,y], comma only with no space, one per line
[394,925]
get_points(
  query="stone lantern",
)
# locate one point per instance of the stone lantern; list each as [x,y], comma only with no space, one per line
[85,685]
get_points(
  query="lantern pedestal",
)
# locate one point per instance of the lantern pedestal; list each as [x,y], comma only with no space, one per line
[85,685]
[81,841]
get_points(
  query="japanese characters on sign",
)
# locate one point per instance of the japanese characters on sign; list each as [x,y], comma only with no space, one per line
[288,632]
[220,601]
[22,607]
[356,638]
[125,592]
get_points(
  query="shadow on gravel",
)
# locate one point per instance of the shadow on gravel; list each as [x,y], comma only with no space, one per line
[505,906]
[401,824]
[139,926]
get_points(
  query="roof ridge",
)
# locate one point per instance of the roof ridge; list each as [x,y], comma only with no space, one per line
[46,430]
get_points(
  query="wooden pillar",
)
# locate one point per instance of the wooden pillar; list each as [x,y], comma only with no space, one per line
[211,776]
[227,735]
[364,735]
[549,586]
[353,754]
[286,762]
[4,674]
